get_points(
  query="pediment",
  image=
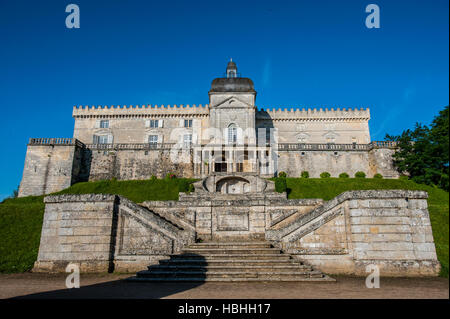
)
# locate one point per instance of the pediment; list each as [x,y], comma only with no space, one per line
[233,101]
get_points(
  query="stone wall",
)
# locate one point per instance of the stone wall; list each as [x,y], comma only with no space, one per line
[104,233]
[136,164]
[52,167]
[390,229]
[49,168]
[232,217]
[337,162]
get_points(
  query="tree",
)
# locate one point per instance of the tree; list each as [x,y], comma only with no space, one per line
[423,152]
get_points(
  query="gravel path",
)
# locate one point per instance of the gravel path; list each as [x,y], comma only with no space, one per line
[33,285]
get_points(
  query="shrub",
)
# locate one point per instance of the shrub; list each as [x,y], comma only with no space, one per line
[281,185]
[305,174]
[183,185]
[153,178]
[360,175]
[191,188]
[325,175]
[344,175]
[171,176]
[282,174]
[378,176]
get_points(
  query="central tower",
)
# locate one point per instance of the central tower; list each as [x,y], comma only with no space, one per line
[232,108]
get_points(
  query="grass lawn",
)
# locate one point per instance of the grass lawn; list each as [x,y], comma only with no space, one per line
[21,218]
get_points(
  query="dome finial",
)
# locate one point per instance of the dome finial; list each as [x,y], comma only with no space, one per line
[231,69]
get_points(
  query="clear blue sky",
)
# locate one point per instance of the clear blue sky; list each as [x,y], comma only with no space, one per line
[298,53]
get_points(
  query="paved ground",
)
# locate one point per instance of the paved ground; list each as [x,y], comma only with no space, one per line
[30,285]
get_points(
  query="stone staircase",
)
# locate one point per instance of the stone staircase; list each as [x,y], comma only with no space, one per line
[229,262]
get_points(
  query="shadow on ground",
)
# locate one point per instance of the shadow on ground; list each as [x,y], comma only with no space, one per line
[124,288]
[118,289]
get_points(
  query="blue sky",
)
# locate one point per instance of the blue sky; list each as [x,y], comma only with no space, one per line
[298,53]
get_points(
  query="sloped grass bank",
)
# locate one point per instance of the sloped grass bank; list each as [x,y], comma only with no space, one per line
[20,229]
[137,191]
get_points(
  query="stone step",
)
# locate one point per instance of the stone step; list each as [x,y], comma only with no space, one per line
[191,256]
[246,268]
[231,274]
[247,245]
[325,278]
[230,262]
[213,251]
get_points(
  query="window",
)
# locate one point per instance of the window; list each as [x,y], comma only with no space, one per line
[268,139]
[104,124]
[187,123]
[103,139]
[154,123]
[153,140]
[187,140]
[232,133]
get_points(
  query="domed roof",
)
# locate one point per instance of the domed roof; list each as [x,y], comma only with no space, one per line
[232,85]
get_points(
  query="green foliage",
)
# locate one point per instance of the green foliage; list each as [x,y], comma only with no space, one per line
[424,152]
[360,175]
[171,176]
[282,174]
[281,185]
[344,175]
[325,175]
[185,185]
[378,175]
[153,178]
[304,174]
[20,226]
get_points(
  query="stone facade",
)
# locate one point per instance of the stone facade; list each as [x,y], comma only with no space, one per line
[230,134]
[390,229]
